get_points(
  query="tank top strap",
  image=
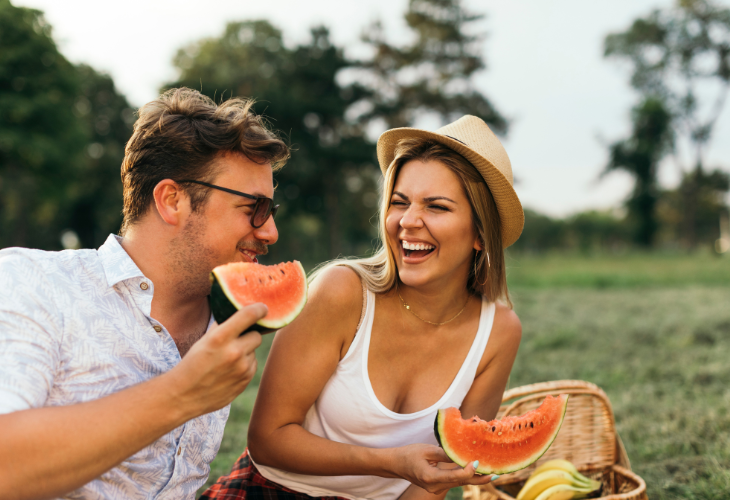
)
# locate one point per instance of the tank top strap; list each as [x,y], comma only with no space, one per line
[364,328]
[486,322]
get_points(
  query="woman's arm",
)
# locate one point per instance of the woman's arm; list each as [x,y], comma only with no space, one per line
[485,394]
[303,357]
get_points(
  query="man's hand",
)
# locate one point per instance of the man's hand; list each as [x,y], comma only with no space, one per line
[220,365]
[418,463]
[48,452]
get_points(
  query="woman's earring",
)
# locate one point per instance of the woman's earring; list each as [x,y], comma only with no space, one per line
[489,264]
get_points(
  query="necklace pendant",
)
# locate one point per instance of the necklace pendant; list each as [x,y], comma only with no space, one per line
[408,307]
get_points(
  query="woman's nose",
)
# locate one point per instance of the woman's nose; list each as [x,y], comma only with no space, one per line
[411,219]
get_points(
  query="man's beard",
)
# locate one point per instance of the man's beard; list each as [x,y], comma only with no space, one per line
[191,260]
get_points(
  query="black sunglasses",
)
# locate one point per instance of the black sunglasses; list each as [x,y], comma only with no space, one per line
[261,210]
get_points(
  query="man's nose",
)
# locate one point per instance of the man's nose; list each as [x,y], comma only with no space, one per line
[267,233]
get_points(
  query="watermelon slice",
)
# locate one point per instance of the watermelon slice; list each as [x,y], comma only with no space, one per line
[501,446]
[283,288]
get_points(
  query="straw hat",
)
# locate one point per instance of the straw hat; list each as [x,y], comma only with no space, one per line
[471,138]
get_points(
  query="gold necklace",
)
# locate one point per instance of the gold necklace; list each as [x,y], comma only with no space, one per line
[405,304]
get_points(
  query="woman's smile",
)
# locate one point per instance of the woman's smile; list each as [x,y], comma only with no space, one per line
[415,251]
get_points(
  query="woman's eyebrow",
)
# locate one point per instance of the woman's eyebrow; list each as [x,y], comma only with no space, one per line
[427,200]
[434,198]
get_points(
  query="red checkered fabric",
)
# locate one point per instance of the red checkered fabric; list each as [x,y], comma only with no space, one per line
[246,483]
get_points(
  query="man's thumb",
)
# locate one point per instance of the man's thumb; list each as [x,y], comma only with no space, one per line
[242,319]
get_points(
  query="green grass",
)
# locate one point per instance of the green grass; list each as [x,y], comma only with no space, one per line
[652,331]
[610,271]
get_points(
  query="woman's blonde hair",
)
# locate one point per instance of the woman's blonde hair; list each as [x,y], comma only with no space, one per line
[488,276]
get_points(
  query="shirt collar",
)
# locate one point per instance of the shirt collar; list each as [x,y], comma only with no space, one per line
[118,265]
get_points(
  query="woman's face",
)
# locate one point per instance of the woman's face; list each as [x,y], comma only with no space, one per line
[429,225]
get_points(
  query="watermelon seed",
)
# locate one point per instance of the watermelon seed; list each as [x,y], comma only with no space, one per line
[270,277]
[260,280]
[520,426]
[499,433]
[282,271]
[493,429]
[532,426]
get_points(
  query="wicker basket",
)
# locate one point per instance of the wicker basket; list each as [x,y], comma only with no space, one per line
[587,438]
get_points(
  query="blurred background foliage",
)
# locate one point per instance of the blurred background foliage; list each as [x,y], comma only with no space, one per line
[63,127]
[62,133]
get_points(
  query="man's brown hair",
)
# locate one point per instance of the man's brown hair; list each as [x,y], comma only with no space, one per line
[179,135]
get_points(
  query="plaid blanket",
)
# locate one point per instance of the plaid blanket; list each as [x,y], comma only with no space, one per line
[246,483]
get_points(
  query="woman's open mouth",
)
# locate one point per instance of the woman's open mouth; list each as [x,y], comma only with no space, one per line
[416,250]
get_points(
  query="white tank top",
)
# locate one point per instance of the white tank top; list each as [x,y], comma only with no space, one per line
[347,411]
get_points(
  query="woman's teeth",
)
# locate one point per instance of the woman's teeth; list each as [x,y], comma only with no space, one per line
[416,246]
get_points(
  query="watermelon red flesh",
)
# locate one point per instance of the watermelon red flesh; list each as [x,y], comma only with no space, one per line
[283,288]
[501,446]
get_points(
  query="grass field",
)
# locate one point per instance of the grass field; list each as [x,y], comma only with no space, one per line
[652,331]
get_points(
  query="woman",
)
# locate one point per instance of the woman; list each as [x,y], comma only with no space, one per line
[351,388]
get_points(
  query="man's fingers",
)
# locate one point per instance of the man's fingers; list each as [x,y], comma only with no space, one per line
[250,341]
[244,318]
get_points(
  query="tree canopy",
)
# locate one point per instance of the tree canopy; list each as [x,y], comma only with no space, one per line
[674,53]
[62,135]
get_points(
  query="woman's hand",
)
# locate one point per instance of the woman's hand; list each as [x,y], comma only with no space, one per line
[419,464]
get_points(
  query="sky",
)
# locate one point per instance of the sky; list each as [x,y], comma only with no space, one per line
[545,72]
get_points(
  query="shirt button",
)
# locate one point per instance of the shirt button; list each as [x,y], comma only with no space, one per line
[179,450]
[158,329]
[144,285]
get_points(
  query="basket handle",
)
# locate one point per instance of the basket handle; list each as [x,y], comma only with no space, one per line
[556,385]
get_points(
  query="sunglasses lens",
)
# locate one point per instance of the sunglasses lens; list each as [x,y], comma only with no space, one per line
[261,212]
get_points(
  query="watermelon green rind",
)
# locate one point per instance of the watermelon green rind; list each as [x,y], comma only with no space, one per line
[483,467]
[220,305]
[223,303]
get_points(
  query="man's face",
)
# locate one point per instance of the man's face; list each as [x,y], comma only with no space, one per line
[220,231]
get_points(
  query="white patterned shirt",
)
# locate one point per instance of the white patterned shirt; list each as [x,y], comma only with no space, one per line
[75,326]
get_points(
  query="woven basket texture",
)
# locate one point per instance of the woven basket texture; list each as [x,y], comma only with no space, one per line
[587,438]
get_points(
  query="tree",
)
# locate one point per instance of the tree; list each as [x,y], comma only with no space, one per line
[433,74]
[62,135]
[639,155]
[41,141]
[328,186]
[108,119]
[673,53]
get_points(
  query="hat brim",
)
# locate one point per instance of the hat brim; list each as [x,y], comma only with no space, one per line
[511,215]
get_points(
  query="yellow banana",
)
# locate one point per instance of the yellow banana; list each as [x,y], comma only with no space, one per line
[563,492]
[568,467]
[558,464]
[537,483]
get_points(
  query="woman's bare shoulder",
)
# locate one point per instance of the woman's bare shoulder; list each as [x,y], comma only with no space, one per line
[338,285]
[507,328]
[337,293]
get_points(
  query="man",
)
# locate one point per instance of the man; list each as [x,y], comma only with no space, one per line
[108,386]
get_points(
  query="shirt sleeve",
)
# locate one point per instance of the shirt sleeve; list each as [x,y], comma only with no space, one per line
[30,333]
